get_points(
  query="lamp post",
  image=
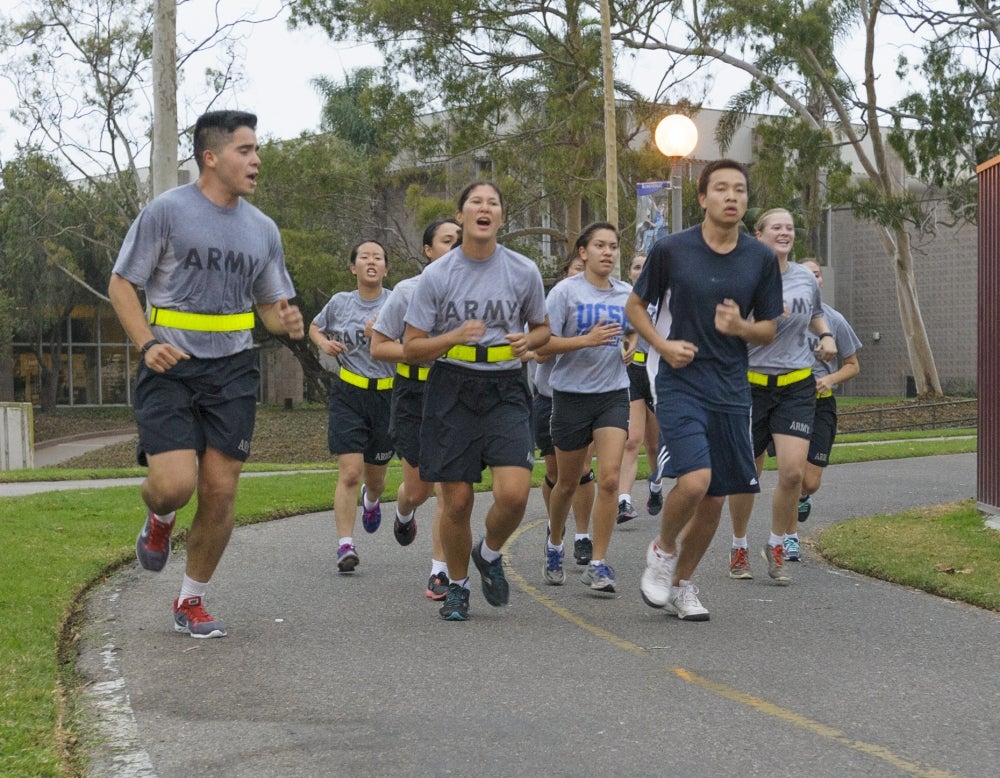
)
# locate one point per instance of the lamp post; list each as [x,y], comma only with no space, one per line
[676,136]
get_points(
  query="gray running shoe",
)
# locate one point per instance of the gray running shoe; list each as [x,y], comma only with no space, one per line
[792,552]
[775,558]
[152,546]
[600,578]
[739,564]
[347,558]
[554,573]
[190,617]
[495,587]
[625,512]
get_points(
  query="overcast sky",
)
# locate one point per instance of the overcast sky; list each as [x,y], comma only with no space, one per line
[280,63]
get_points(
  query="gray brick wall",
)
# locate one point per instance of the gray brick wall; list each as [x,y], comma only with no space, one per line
[281,376]
[864,291]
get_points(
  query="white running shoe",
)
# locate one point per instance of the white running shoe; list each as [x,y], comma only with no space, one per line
[684,603]
[658,577]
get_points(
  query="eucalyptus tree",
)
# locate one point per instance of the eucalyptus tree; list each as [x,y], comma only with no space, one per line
[945,130]
[789,49]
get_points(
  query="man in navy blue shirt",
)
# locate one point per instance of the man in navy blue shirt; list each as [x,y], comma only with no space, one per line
[722,289]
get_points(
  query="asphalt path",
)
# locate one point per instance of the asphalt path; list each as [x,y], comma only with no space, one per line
[327,674]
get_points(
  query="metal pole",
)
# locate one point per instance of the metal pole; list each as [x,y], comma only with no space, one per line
[677,218]
[610,123]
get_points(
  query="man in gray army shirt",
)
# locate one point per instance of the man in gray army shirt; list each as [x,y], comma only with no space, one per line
[204,256]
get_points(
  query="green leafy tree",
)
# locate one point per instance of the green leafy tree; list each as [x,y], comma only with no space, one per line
[945,131]
[317,190]
[43,260]
[518,90]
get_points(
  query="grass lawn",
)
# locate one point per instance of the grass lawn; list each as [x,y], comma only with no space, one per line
[87,534]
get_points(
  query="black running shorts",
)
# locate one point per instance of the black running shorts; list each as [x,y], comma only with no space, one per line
[198,403]
[474,419]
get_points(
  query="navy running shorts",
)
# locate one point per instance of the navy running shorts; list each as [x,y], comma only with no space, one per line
[698,437]
[198,403]
[359,422]
[575,416]
[474,419]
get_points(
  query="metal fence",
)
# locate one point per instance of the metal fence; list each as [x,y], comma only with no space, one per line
[925,416]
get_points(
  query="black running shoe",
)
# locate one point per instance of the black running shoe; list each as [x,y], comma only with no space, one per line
[805,507]
[495,587]
[655,502]
[404,532]
[583,550]
[456,604]
[437,586]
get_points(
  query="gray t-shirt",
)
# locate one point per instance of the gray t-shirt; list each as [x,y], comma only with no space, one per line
[194,256]
[504,291]
[848,342]
[790,349]
[344,318]
[575,307]
[540,374]
[391,319]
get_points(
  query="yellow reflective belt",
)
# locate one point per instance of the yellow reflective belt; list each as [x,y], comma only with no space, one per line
[363,382]
[202,322]
[763,379]
[465,353]
[639,358]
[409,371]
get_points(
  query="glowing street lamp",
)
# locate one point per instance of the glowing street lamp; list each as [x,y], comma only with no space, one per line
[676,136]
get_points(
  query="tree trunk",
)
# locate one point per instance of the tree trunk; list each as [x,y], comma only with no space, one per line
[918,346]
[574,222]
[317,380]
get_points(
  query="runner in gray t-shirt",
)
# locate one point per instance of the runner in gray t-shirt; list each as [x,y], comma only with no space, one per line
[477,311]
[539,371]
[204,256]
[829,374]
[358,429]
[589,396]
[408,408]
[784,402]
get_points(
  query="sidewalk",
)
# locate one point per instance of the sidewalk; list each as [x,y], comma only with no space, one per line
[54,452]
[325,674]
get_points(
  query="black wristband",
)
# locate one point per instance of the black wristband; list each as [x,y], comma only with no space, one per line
[148,345]
[826,335]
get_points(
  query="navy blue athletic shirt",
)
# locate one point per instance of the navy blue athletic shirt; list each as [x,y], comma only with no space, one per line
[698,279]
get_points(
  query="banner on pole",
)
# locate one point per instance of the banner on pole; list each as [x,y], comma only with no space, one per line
[652,204]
